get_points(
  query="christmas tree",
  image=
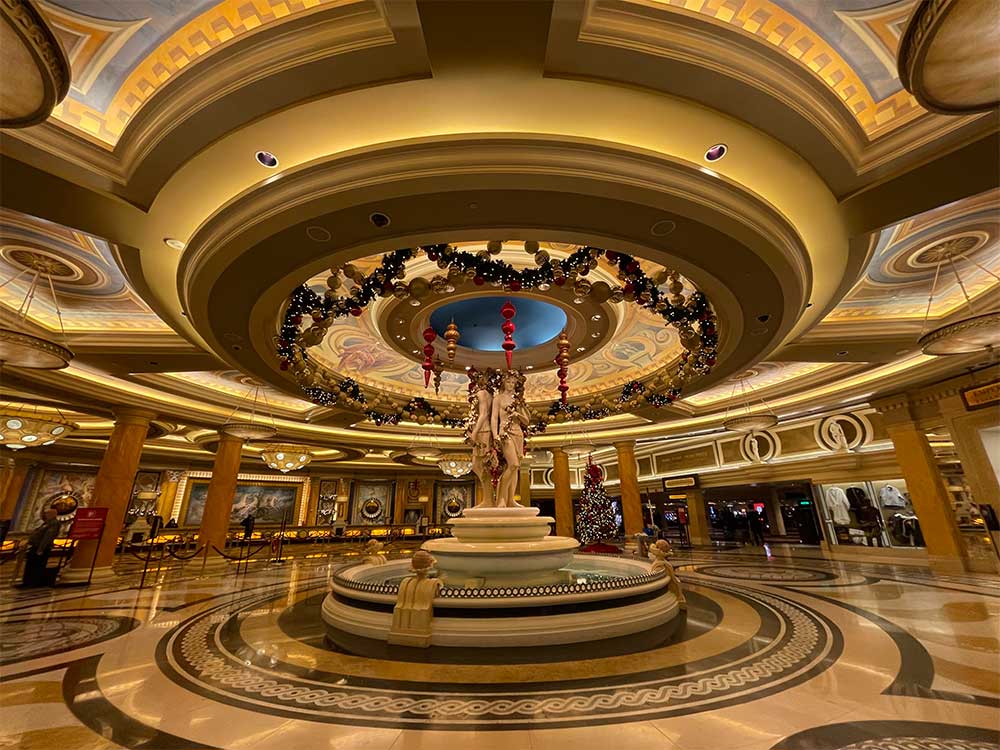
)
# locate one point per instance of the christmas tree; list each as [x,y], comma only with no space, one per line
[596,519]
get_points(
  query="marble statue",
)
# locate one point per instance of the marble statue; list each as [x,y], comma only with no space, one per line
[753,449]
[373,552]
[660,552]
[508,421]
[837,437]
[479,435]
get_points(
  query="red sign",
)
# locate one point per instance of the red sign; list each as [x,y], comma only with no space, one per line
[88,523]
[759,507]
[682,516]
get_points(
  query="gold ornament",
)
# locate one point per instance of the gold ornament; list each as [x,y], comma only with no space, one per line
[541,257]
[494,247]
[451,335]
[419,288]
[530,247]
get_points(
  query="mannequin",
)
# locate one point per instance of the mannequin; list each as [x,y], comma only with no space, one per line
[479,436]
[508,421]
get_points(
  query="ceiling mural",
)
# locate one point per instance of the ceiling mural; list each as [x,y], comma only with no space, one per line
[849,44]
[122,52]
[91,290]
[902,269]
[760,377]
[237,386]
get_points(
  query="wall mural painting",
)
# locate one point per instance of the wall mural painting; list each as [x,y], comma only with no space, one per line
[372,502]
[64,490]
[267,503]
[145,482]
[451,498]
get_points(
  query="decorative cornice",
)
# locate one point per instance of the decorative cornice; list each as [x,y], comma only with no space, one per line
[41,44]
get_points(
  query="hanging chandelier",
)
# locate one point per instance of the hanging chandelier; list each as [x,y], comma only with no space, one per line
[455,464]
[19,348]
[285,457]
[745,420]
[975,333]
[251,429]
[23,427]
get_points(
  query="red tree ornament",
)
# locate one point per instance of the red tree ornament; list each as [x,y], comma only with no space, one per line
[429,335]
[508,311]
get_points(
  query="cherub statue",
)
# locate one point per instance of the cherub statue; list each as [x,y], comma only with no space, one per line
[660,551]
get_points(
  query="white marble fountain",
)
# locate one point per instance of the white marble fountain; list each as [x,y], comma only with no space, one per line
[501,579]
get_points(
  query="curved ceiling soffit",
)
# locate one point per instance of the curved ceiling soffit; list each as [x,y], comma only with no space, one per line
[812,100]
[246,235]
[36,70]
[164,112]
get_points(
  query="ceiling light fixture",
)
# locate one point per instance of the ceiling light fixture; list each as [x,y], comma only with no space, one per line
[266,159]
[455,464]
[716,152]
[975,333]
[743,419]
[22,426]
[285,457]
[22,349]
[251,429]
[173,243]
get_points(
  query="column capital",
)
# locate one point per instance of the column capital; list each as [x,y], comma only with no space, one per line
[895,410]
[133,415]
[624,445]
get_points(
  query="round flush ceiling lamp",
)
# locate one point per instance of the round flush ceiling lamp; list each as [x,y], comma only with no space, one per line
[18,347]
[976,332]
[22,427]
[455,464]
[744,418]
[36,71]
[285,457]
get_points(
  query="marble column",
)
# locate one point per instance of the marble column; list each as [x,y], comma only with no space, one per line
[399,503]
[220,494]
[964,427]
[774,506]
[112,490]
[12,479]
[168,493]
[628,475]
[698,527]
[565,523]
[931,501]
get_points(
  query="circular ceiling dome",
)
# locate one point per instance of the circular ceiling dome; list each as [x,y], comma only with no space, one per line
[479,320]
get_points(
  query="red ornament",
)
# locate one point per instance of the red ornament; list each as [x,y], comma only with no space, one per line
[611,255]
[297,320]
[478,280]
[429,335]
[508,311]
[559,280]
[356,312]
[515,286]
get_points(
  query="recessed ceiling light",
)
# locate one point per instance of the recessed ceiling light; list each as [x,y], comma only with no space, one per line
[716,152]
[401,337]
[401,322]
[173,243]
[842,353]
[595,316]
[416,351]
[529,367]
[581,348]
[663,228]
[266,159]
[318,234]
[595,335]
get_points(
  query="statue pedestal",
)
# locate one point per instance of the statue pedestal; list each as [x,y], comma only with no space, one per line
[501,547]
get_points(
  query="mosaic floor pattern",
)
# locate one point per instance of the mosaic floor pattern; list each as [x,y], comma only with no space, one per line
[775,653]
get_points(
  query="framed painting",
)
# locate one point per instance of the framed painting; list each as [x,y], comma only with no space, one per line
[266,502]
[451,498]
[52,487]
[372,502]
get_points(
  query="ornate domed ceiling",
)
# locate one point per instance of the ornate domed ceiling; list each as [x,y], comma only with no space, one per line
[173,250]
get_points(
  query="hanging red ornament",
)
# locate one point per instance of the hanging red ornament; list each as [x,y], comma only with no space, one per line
[429,335]
[508,311]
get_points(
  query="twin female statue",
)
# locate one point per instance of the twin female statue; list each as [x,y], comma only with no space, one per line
[496,431]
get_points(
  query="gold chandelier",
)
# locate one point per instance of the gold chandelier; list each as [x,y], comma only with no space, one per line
[285,457]
[21,349]
[455,464]
[23,427]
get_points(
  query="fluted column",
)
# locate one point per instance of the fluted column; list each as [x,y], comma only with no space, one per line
[169,481]
[12,479]
[928,492]
[563,493]
[628,476]
[221,491]
[964,426]
[698,528]
[112,490]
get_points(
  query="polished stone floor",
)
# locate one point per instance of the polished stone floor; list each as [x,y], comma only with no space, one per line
[779,649]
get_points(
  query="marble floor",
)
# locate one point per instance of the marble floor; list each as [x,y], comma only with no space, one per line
[778,649]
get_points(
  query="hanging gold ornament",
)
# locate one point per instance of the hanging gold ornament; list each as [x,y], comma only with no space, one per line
[494,247]
[530,247]
[451,335]
[438,369]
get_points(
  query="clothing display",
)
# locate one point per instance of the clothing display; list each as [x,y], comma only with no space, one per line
[839,506]
[890,497]
[857,497]
[906,528]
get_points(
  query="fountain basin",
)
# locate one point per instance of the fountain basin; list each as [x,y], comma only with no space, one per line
[600,598]
[479,564]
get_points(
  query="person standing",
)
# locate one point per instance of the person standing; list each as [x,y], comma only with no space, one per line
[247,524]
[39,548]
[756,524]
